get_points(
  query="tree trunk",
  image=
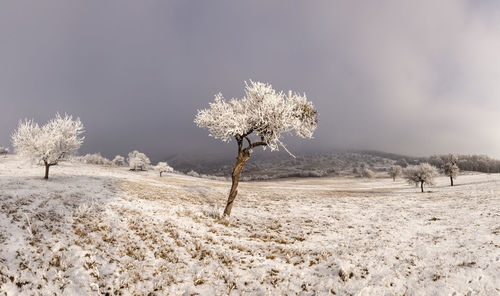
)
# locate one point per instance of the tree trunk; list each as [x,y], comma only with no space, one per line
[422,185]
[243,156]
[394,179]
[160,174]
[46,170]
[451,179]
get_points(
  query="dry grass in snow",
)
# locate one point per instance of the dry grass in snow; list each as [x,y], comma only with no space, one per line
[91,230]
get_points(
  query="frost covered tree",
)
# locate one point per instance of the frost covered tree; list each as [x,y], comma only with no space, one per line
[4,150]
[163,167]
[451,167]
[95,158]
[367,173]
[51,143]
[138,161]
[395,171]
[423,173]
[118,161]
[258,119]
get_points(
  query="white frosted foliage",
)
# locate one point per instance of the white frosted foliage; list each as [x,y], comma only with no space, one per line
[367,173]
[138,161]
[423,173]
[118,160]
[395,171]
[96,158]
[51,143]
[450,166]
[262,112]
[163,167]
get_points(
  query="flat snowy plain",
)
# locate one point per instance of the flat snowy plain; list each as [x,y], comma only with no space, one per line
[93,230]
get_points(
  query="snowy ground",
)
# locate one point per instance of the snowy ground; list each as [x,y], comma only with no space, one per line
[92,230]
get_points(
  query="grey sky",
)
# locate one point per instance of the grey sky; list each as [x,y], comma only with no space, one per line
[418,77]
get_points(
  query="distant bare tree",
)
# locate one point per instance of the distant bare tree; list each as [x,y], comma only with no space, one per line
[395,171]
[423,173]
[451,167]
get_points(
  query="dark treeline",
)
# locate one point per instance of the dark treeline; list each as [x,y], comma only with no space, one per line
[267,166]
[477,163]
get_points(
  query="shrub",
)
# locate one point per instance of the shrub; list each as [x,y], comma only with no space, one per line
[367,173]
[96,158]
[118,160]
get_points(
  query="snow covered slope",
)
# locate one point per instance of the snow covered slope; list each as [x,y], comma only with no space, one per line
[93,230]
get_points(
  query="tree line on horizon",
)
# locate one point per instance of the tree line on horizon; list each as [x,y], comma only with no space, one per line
[466,162]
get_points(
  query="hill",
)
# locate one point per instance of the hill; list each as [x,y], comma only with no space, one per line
[265,166]
[92,230]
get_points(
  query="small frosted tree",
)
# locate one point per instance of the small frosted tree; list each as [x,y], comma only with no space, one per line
[138,161]
[451,167]
[367,173]
[395,171]
[4,150]
[51,143]
[423,173]
[163,167]
[258,119]
[118,161]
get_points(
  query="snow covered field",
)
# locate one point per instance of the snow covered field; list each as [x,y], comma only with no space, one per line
[93,230]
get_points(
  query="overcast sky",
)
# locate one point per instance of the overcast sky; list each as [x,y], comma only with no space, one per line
[411,77]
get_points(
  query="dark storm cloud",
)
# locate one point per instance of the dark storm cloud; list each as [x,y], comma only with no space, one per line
[415,78]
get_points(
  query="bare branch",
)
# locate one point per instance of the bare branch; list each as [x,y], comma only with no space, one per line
[248,133]
[249,142]
[256,144]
